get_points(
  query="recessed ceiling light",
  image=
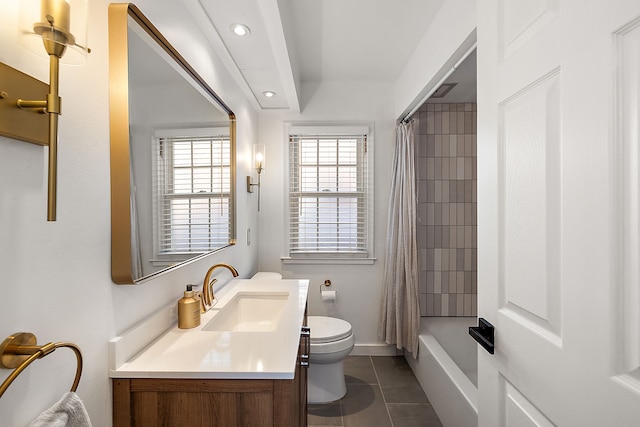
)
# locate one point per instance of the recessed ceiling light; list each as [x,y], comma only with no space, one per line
[240,30]
[269,93]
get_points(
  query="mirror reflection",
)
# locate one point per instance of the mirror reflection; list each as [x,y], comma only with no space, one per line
[177,148]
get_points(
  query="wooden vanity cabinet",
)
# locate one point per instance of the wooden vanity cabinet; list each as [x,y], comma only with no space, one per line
[147,402]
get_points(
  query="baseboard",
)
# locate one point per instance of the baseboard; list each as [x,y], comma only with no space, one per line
[375,350]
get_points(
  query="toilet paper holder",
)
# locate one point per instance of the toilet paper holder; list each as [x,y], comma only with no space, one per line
[326,283]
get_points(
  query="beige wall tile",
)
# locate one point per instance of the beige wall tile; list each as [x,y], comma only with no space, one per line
[447,192]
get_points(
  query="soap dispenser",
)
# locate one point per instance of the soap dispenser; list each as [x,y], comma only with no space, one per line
[188,310]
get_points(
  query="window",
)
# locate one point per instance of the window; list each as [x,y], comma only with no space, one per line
[329,193]
[193,200]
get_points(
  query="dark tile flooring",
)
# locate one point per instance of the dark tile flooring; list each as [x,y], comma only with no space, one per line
[381,391]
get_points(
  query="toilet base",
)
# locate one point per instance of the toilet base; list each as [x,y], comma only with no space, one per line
[326,382]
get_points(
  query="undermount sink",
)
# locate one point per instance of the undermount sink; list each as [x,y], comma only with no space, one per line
[249,312]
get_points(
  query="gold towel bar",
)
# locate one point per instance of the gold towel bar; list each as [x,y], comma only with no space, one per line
[20,349]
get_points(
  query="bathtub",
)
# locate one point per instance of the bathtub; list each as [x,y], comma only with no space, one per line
[447,369]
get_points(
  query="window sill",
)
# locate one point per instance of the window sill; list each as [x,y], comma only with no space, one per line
[334,261]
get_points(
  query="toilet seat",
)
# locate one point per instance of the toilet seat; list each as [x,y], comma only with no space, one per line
[328,329]
[336,348]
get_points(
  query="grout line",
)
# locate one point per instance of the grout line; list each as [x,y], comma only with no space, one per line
[375,372]
[384,399]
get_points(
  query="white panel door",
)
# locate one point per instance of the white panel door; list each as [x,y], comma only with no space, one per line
[559,212]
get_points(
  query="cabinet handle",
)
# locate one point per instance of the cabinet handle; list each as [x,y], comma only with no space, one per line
[305,337]
[304,360]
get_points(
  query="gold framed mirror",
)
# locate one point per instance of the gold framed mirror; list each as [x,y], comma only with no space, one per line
[172,154]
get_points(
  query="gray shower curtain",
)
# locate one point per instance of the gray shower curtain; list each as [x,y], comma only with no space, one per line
[400,315]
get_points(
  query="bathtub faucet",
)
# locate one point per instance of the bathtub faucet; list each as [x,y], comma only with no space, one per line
[207,286]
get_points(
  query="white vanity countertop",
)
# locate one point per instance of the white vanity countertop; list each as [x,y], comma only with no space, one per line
[196,353]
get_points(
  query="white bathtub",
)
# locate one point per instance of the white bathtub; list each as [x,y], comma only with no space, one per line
[447,369]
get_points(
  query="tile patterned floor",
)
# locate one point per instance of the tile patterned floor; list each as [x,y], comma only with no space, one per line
[382,392]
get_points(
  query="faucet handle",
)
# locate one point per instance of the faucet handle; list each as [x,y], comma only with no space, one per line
[198,296]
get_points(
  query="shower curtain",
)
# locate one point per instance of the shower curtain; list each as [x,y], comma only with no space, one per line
[400,314]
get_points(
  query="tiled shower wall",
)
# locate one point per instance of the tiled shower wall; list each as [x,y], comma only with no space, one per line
[446,166]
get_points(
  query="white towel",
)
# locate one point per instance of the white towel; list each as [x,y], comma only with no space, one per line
[69,411]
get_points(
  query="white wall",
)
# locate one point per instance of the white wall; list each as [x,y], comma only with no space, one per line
[55,277]
[359,286]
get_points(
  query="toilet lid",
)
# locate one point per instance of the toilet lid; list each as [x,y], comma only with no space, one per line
[327,329]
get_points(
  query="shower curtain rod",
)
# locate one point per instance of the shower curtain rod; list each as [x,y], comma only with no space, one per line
[442,80]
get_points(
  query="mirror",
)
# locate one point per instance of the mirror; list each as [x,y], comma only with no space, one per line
[172,154]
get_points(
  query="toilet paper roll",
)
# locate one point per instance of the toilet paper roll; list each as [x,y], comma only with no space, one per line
[328,295]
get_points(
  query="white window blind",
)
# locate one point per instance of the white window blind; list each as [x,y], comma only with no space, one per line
[193,193]
[328,195]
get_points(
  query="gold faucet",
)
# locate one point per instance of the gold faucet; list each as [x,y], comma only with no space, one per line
[207,286]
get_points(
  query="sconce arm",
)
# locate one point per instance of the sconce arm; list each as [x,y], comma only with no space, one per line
[53,103]
[25,104]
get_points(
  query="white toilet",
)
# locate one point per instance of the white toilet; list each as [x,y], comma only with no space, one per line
[331,341]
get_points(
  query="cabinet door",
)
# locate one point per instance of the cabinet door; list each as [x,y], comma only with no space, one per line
[192,402]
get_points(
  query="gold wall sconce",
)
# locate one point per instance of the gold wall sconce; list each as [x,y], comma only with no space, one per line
[29,108]
[259,164]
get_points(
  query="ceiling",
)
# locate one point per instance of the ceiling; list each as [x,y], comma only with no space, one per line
[464,78]
[293,42]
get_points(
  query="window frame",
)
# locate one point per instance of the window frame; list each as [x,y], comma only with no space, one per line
[160,257]
[333,257]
